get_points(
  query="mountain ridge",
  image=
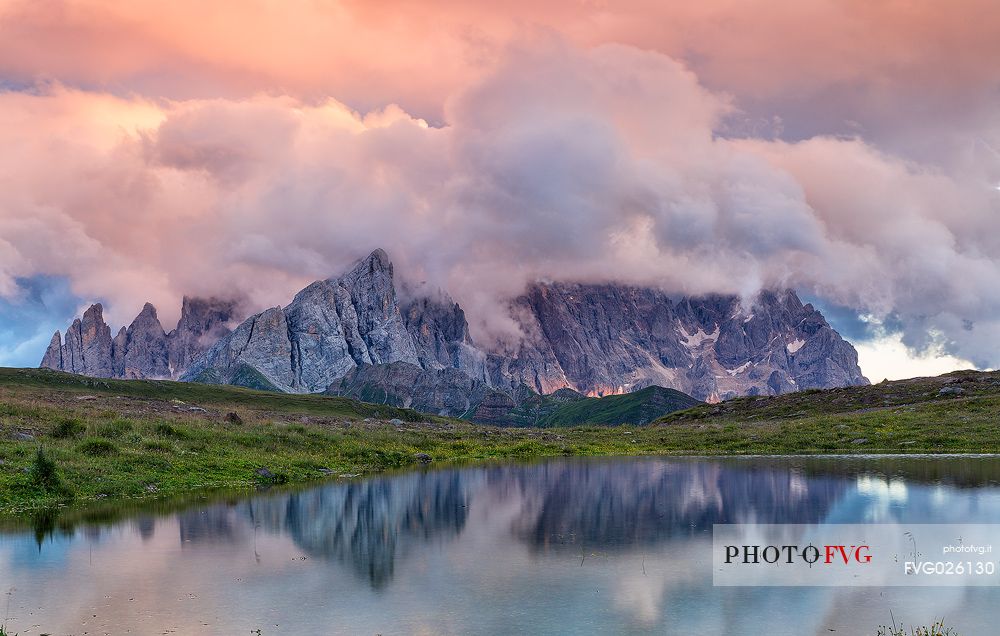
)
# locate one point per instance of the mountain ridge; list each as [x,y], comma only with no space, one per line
[596,339]
[143,350]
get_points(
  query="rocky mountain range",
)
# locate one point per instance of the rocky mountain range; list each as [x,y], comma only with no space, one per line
[355,335]
[143,349]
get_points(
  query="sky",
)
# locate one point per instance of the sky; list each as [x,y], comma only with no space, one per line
[849,150]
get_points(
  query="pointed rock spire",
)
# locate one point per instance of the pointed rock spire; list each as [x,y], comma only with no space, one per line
[95,342]
[53,355]
[118,346]
[146,347]
[72,353]
[373,295]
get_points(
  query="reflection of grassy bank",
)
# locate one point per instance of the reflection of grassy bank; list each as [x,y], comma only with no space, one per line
[65,520]
[140,439]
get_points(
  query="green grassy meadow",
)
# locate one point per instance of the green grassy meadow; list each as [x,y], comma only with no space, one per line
[68,439]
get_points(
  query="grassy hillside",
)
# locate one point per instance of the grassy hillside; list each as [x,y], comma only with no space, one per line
[640,407]
[534,408]
[566,407]
[45,384]
[956,412]
[115,439]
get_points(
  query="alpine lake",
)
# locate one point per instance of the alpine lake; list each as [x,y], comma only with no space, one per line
[567,546]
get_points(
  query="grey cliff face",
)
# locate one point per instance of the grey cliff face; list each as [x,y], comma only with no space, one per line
[95,343]
[118,347]
[142,350]
[373,294]
[353,336]
[329,328]
[203,321]
[603,339]
[53,354]
[441,337]
[87,346]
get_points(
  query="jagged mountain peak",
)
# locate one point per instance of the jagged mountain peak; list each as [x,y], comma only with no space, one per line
[141,350]
[378,259]
[376,264]
[328,328]
[95,312]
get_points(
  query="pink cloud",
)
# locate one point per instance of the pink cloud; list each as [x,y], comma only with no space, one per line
[560,161]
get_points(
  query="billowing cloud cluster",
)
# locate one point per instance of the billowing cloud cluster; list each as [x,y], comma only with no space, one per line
[920,77]
[554,160]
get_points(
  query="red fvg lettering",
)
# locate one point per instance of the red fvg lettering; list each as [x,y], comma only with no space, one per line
[847,554]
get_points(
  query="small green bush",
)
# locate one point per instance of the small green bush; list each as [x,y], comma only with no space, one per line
[44,473]
[166,430]
[115,428]
[157,445]
[97,446]
[68,428]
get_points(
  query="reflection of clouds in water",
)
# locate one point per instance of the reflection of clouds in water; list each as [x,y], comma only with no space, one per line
[883,495]
[896,500]
[648,580]
[893,490]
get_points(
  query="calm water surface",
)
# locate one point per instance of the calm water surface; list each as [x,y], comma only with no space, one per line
[601,546]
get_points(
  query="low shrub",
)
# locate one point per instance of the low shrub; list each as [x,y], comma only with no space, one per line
[67,428]
[157,445]
[115,428]
[44,474]
[97,447]
[167,430]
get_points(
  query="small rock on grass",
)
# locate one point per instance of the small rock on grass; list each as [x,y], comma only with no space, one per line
[423,458]
[860,440]
[396,421]
[264,473]
[234,418]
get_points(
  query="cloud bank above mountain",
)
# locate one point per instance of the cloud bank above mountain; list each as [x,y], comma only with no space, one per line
[548,155]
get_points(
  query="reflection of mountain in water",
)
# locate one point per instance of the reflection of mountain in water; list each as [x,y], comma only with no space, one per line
[371,523]
[215,524]
[368,525]
[624,503]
